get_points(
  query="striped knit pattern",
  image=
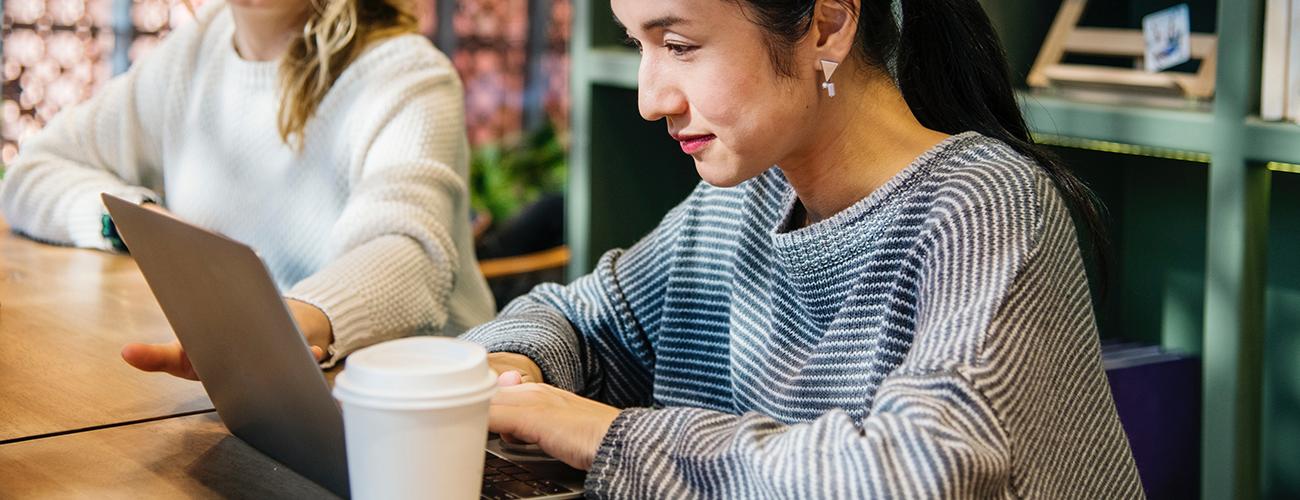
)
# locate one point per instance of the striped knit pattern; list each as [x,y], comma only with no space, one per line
[935,340]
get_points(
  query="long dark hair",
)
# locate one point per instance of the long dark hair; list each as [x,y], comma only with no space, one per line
[950,65]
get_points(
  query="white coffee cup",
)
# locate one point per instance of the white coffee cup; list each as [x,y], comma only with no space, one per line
[415,416]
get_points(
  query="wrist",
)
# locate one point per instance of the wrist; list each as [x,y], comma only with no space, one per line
[603,423]
[109,231]
[507,361]
[312,323]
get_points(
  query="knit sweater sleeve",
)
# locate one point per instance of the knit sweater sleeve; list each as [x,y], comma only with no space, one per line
[111,143]
[594,337]
[394,259]
[931,430]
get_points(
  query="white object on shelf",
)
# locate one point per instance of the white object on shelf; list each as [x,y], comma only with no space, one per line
[1168,37]
[1293,64]
[1273,93]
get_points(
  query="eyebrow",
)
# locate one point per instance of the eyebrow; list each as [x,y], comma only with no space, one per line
[657,23]
[662,23]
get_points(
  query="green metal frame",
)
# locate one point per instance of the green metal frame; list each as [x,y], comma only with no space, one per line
[617,159]
[1237,242]
[1237,144]
[577,198]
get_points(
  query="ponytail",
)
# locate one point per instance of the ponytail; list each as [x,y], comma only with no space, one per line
[954,75]
[949,64]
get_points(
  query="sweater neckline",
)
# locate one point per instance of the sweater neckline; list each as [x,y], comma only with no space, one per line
[250,74]
[818,246]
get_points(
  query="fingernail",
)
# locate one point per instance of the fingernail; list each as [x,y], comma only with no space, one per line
[511,377]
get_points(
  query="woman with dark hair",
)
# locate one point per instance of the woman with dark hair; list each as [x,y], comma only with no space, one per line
[878,290]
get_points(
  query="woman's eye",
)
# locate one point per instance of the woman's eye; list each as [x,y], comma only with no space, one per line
[680,50]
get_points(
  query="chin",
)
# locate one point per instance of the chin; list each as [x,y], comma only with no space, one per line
[719,175]
[725,174]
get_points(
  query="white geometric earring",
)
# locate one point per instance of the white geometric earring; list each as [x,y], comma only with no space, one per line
[828,70]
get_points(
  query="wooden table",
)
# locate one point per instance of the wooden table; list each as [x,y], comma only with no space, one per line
[76,421]
[183,457]
[65,314]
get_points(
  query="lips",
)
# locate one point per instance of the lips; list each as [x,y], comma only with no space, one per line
[692,144]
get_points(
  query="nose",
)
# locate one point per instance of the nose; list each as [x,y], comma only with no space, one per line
[658,95]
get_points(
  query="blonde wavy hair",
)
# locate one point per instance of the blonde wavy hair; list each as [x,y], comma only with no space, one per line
[336,33]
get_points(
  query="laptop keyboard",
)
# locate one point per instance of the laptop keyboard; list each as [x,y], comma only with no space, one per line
[503,479]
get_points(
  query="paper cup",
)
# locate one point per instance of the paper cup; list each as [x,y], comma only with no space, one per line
[415,418]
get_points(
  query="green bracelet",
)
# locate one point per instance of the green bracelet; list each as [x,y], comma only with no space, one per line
[109,230]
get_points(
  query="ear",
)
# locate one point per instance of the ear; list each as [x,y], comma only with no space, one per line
[834,28]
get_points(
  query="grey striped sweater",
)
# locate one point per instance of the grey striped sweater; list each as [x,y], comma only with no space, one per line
[935,340]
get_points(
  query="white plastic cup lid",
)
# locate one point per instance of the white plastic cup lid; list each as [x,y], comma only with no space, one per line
[416,372]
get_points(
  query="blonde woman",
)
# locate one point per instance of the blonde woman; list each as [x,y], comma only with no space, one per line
[328,135]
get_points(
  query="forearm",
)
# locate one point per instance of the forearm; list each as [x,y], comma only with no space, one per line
[59,202]
[386,288]
[313,323]
[919,448]
[583,336]
[542,335]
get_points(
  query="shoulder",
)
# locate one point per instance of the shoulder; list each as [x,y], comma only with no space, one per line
[401,61]
[979,173]
[986,199]
[982,182]
[398,81]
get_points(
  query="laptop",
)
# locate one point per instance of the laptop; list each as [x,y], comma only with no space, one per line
[258,369]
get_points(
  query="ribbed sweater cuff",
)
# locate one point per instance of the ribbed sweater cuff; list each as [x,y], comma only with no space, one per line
[374,292]
[540,334]
[346,310]
[609,457]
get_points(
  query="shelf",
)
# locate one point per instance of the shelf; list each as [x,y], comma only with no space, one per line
[612,66]
[1161,129]
[1189,131]
[1272,141]
[1166,133]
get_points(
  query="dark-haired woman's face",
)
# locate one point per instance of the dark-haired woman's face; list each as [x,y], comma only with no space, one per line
[706,69]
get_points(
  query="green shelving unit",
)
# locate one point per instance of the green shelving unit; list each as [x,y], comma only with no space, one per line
[619,161]
[1167,129]
[1238,147]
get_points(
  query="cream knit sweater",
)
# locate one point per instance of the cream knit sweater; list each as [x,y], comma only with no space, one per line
[368,222]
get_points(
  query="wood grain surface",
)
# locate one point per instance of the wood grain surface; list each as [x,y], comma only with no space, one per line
[181,457]
[65,314]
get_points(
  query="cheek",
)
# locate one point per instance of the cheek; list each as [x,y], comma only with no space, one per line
[757,121]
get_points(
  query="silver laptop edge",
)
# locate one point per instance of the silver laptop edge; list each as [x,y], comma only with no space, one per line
[256,367]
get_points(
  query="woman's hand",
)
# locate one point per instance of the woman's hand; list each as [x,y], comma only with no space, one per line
[566,426]
[504,362]
[312,323]
[170,357]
